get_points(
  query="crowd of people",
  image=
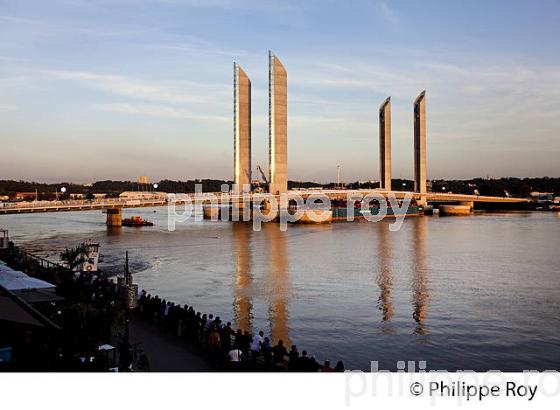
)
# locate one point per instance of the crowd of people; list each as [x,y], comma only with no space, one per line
[86,312]
[228,349]
[92,313]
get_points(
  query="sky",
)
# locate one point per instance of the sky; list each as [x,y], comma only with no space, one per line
[93,90]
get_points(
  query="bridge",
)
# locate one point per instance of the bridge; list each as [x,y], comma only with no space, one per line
[75,205]
[278,168]
[114,207]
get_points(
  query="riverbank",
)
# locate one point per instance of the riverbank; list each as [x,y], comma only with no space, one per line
[95,331]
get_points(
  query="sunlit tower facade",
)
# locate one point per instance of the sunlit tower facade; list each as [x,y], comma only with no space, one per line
[242,128]
[278,125]
[385,145]
[420,143]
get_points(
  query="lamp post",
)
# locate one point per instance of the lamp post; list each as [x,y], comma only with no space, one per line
[62,191]
[338,176]
[126,356]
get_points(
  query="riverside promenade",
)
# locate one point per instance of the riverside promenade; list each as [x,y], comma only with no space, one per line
[165,352]
[89,313]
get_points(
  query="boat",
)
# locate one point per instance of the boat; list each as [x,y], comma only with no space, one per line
[136,221]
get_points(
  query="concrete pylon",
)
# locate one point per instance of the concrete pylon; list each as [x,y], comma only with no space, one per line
[242,129]
[420,143]
[114,217]
[278,125]
[385,145]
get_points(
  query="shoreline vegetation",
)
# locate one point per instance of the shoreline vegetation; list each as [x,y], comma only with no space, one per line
[86,329]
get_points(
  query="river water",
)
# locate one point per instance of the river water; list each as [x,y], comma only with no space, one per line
[478,293]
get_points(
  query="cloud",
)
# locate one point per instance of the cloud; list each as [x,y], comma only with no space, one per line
[171,92]
[499,91]
[43,28]
[388,13]
[158,111]
[199,46]
[8,107]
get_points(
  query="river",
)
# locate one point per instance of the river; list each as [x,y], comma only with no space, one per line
[478,293]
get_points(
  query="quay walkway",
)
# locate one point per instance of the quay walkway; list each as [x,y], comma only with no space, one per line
[166,352]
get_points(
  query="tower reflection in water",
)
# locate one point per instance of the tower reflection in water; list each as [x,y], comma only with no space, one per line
[242,305]
[385,276]
[277,283]
[420,289]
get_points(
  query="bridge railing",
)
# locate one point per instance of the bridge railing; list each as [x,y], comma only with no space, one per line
[229,197]
[69,202]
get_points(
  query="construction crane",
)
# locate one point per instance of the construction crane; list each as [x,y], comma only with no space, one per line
[265,180]
[262,174]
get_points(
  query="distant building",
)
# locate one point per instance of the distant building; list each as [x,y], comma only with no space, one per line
[137,195]
[542,196]
[20,196]
[429,186]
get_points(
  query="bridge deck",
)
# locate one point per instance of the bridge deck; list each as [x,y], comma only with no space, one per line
[90,205]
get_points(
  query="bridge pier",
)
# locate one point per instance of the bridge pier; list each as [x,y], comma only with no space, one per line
[467,203]
[454,210]
[114,217]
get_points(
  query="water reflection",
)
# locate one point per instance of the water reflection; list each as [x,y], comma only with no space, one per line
[242,305]
[385,276]
[420,289]
[419,270]
[114,230]
[278,283]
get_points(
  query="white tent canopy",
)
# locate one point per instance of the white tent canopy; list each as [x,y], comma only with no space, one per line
[11,280]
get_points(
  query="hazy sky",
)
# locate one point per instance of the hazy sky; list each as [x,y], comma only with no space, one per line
[116,89]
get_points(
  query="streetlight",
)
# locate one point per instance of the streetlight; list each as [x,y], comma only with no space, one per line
[156,186]
[62,190]
[338,176]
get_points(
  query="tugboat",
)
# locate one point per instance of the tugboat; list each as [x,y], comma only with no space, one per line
[136,221]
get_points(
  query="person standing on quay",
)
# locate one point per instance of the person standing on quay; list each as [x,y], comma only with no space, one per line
[214,345]
[279,352]
[266,350]
[293,359]
[256,347]
[327,367]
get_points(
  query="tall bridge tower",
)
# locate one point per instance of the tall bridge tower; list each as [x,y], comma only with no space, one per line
[420,143]
[241,128]
[385,145]
[278,125]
